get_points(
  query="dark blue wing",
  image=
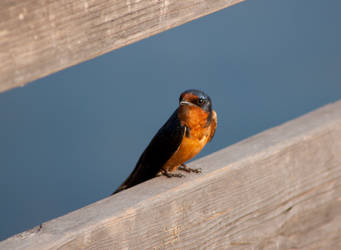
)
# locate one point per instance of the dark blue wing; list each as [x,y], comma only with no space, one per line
[160,149]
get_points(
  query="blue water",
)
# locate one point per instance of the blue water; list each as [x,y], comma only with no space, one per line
[70,139]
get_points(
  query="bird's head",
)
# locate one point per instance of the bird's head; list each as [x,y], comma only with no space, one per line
[196,98]
[195,108]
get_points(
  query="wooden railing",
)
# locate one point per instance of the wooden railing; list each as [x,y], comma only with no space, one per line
[280,189]
[39,37]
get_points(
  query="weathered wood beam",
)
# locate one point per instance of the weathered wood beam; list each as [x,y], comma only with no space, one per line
[39,37]
[280,189]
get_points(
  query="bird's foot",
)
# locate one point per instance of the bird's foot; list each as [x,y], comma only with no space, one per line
[183,167]
[169,175]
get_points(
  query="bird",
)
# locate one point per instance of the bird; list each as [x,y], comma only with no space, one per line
[181,138]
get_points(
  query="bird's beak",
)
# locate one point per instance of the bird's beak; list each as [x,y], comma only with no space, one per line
[186,103]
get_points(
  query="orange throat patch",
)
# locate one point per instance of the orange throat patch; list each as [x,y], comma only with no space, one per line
[195,119]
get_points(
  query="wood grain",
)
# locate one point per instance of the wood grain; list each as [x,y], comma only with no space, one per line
[39,37]
[280,189]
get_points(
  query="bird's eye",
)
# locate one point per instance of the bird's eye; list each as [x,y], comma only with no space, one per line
[201,100]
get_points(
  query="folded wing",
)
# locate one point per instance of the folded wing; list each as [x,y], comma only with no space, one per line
[160,149]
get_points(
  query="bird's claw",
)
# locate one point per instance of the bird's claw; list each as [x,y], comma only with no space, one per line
[175,175]
[169,175]
[183,167]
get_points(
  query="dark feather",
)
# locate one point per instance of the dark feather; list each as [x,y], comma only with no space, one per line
[160,149]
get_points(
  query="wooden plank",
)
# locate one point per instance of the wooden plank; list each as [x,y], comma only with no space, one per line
[280,189]
[39,37]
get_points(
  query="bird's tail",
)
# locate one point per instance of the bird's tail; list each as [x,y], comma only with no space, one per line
[132,180]
[120,188]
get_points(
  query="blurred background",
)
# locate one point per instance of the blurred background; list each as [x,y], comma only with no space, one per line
[71,138]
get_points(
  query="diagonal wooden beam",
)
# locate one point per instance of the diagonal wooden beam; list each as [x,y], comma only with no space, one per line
[39,37]
[280,189]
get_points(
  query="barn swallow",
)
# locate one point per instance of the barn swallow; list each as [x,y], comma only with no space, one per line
[182,137]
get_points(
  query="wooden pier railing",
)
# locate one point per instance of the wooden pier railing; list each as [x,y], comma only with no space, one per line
[39,37]
[280,189]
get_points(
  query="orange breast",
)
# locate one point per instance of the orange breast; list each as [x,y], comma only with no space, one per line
[189,148]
